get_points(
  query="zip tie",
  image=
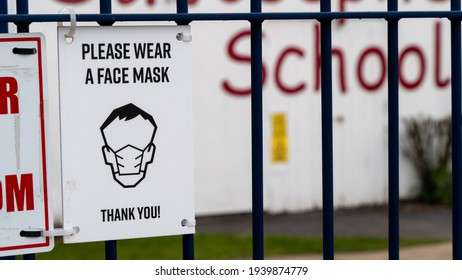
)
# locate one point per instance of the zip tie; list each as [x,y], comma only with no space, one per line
[73,19]
[61,232]
[184,37]
[50,233]
[188,223]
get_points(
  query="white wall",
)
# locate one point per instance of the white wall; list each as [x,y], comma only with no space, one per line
[222,120]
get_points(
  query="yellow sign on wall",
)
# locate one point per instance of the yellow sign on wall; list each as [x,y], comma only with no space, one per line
[279,141]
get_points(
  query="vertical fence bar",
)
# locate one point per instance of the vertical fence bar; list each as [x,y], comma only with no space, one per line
[4,11]
[188,239]
[327,144]
[456,133]
[257,132]
[188,247]
[22,8]
[29,257]
[105,7]
[182,6]
[393,135]
[110,250]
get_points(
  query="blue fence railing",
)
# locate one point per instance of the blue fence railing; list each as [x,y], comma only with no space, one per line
[256,17]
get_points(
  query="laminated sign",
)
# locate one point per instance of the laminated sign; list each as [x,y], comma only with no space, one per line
[126,132]
[25,198]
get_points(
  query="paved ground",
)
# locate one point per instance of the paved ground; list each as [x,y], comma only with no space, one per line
[416,220]
[441,251]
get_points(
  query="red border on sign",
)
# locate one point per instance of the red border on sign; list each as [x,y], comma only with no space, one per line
[38,40]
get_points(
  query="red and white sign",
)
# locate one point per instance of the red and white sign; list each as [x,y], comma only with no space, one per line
[24,192]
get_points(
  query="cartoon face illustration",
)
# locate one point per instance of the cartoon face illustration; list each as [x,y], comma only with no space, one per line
[128,135]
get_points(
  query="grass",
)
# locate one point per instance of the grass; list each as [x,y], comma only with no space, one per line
[218,246]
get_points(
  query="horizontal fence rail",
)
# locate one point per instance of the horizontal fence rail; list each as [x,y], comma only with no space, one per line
[256,17]
[261,16]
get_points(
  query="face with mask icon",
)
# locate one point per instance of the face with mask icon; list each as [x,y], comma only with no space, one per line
[129,148]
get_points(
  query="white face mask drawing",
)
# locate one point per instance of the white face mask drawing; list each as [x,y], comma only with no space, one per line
[128,135]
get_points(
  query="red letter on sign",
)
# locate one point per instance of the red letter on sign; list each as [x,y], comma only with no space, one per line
[240,58]
[440,82]
[283,87]
[19,192]
[8,90]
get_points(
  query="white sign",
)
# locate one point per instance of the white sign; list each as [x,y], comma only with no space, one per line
[25,198]
[126,129]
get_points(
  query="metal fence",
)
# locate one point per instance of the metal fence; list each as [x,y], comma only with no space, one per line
[256,17]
